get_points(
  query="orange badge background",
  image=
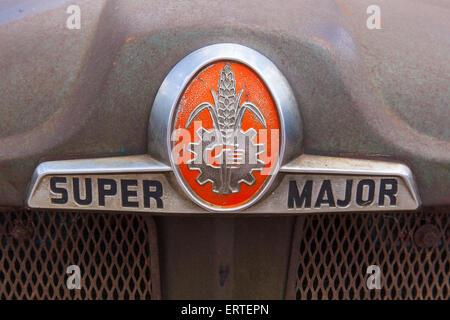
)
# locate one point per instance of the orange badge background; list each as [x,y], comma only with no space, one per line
[198,91]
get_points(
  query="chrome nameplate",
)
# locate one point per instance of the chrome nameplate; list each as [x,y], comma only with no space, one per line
[141,184]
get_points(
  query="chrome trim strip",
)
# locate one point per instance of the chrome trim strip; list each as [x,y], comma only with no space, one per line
[110,165]
[313,164]
[305,165]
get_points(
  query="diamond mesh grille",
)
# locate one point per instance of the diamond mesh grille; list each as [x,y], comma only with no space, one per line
[116,254]
[331,254]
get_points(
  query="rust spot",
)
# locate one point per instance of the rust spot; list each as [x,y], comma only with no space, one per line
[343,7]
[324,44]
[20,230]
[427,236]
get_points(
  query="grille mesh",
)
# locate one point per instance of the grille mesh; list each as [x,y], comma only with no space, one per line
[116,254]
[331,253]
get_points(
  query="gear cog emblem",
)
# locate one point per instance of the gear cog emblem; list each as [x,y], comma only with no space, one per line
[231,129]
[235,150]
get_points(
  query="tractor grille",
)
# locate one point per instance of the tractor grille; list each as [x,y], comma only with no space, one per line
[331,254]
[116,254]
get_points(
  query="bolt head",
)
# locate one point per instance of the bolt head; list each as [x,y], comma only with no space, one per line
[427,236]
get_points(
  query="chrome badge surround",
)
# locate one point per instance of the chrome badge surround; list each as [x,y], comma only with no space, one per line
[158,164]
[167,99]
[169,93]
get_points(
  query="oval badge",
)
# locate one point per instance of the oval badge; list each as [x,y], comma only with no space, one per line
[225,136]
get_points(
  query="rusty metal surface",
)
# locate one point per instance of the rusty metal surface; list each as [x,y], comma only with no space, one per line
[363,92]
[331,254]
[224,258]
[117,255]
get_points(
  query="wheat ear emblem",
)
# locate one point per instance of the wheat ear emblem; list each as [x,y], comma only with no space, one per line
[227,115]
